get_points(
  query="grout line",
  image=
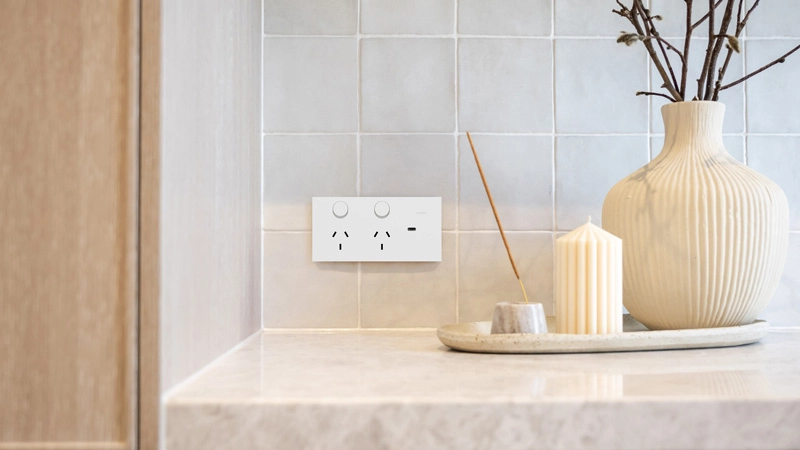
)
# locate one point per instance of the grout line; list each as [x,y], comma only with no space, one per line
[261,208]
[358,149]
[553,127]
[771,134]
[308,231]
[443,231]
[434,36]
[457,152]
[648,71]
[478,133]
[745,155]
[553,148]
[446,133]
[769,38]
[741,38]
[485,133]
[312,330]
[496,36]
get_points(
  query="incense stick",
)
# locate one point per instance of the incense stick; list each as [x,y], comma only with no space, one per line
[497,217]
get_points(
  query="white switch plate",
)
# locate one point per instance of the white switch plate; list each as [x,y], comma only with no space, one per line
[352,229]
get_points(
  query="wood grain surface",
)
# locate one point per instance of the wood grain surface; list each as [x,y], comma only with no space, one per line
[68,220]
[149,248]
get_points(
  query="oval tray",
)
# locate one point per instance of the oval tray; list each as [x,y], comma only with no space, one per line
[476,337]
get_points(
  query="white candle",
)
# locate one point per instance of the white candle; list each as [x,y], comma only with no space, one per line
[589,281]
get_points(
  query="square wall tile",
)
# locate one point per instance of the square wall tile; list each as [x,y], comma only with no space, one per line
[733,98]
[774,95]
[519,171]
[410,294]
[596,83]
[734,144]
[310,85]
[411,166]
[587,167]
[504,85]
[332,17]
[297,168]
[408,85]
[407,16]
[486,277]
[673,12]
[784,308]
[505,18]
[778,158]
[298,293]
[774,18]
[588,18]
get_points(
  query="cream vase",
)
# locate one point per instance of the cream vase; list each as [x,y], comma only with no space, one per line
[704,237]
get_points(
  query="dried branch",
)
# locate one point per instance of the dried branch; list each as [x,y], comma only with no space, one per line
[709,51]
[709,85]
[720,39]
[686,46]
[739,16]
[632,16]
[780,60]
[703,19]
[724,69]
[750,11]
[657,94]
[632,38]
[650,29]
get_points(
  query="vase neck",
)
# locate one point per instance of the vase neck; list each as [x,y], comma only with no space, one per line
[693,127]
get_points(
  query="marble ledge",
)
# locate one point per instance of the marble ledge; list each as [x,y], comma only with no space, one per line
[404,390]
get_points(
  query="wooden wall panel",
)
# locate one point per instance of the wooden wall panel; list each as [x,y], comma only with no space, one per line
[68,202]
[149,247]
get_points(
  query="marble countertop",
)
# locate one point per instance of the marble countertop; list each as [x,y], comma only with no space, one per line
[403,389]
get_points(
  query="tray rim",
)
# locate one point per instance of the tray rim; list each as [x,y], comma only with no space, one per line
[631,341]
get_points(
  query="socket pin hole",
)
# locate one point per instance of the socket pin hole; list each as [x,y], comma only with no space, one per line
[346,235]
[334,234]
[381,246]
[412,228]
[387,234]
[340,246]
[375,235]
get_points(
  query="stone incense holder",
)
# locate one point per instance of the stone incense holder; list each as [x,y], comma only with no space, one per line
[519,318]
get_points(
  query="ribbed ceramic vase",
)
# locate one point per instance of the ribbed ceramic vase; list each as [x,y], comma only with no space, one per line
[704,237]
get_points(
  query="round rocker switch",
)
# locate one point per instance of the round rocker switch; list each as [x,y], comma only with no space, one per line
[381,209]
[340,209]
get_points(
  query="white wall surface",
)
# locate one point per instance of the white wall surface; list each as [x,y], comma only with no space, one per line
[372,97]
[209,236]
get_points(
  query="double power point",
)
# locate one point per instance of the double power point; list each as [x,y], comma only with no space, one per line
[376,229]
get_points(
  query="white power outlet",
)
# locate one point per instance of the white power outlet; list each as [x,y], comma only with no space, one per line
[376,229]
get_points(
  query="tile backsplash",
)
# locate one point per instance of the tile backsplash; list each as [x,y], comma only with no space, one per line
[372,98]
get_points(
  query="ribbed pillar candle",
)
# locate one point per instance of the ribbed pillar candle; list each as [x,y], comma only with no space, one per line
[589,281]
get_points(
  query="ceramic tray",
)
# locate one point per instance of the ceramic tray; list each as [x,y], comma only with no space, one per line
[476,337]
